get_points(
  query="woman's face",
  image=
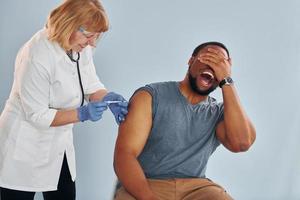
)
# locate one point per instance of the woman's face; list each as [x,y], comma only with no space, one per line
[81,38]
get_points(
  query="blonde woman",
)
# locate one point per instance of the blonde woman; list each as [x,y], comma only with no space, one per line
[54,73]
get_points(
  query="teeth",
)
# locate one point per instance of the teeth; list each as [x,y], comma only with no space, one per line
[210,74]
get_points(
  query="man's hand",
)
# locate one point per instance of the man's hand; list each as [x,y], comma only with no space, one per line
[218,61]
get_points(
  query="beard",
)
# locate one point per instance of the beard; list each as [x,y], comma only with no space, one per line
[195,88]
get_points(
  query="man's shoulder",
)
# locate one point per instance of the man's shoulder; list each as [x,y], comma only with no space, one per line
[159,85]
[156,87]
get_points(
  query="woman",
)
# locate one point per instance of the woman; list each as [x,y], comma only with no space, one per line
[54,72]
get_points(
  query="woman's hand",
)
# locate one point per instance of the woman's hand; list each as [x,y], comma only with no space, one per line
[92,111]
[117,105]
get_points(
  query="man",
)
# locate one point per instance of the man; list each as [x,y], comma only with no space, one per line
[172,128]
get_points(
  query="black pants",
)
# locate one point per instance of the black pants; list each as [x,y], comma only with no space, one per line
[65,189]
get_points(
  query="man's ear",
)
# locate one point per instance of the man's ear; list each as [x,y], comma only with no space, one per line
[191,60]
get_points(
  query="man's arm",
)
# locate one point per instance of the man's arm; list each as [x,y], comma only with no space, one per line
[236,132]
[132,137]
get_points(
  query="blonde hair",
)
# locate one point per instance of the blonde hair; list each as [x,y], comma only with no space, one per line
[69,16]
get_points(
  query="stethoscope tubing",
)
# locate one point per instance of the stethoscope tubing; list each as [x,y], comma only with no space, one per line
[70,55]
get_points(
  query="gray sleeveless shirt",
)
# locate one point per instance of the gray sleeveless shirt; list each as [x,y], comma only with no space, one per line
[182,136]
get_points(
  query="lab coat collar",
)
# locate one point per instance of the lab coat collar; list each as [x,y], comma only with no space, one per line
[55,48]
[60,53]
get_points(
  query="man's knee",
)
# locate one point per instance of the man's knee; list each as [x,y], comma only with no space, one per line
[209,193]
[217,193]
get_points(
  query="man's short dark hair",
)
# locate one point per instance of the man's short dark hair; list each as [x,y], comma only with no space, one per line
[201,46]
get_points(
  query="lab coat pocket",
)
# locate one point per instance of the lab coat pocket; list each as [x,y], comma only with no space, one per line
[33,145]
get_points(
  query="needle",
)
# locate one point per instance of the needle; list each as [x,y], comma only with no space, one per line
[110,102]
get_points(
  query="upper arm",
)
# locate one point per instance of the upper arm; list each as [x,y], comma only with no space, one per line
[93,82]
[33,80]
[98,95]
[221,134]
[134,131]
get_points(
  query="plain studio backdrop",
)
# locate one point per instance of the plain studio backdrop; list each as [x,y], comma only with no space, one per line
[151,41]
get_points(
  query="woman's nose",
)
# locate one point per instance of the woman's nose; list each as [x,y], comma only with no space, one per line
[91,42]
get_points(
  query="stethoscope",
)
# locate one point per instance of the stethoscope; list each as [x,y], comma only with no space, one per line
[70,55]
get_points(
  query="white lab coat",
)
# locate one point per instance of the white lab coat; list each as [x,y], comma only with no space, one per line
[45,80]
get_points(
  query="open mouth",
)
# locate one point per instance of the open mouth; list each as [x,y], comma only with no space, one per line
[206,78]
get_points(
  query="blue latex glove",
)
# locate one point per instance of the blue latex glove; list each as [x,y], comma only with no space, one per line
[92,111]
[117,105]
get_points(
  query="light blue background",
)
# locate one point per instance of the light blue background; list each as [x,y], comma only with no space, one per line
[151,41]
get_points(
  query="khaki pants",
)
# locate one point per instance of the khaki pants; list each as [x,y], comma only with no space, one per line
[181,189]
